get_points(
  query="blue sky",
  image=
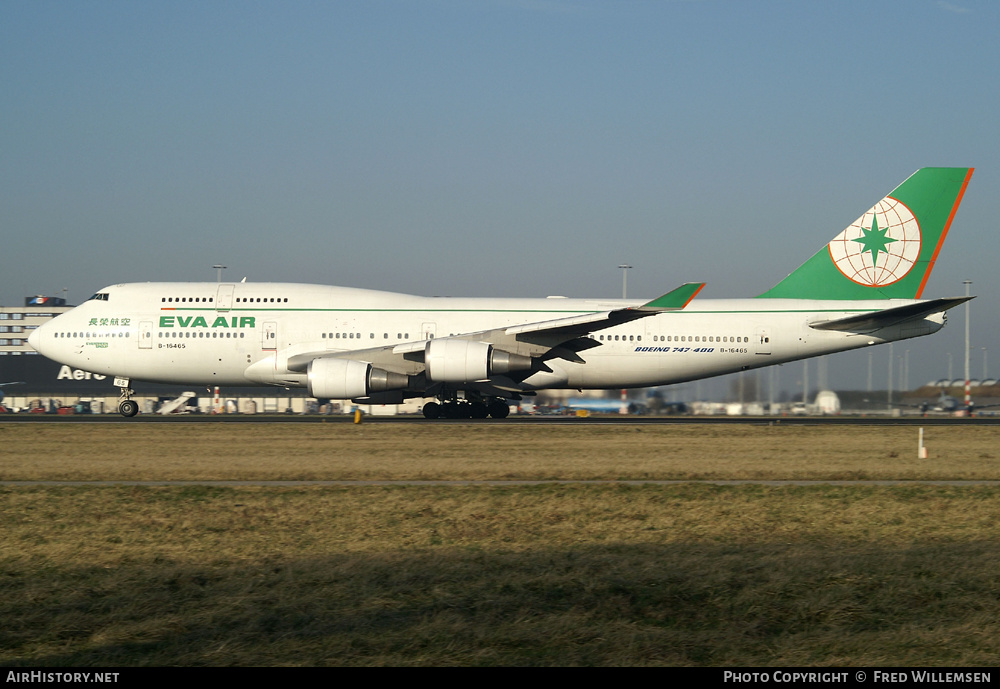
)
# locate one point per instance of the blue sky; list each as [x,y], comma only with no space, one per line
[510,148]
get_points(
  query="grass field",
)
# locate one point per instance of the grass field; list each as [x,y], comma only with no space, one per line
[491,451]
[497,575]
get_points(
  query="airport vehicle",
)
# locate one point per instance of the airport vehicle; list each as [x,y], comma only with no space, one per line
[863,288]
[600,405]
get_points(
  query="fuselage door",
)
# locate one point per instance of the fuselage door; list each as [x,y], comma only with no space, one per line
[146,335]
[224,299]
[762,340]
[269,336]
[652,328]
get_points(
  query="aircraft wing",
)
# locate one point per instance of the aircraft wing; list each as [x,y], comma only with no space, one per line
[875,320]
[976,406]
[675,300]
[557,338]
[534,339]
[15,382]
[941,405]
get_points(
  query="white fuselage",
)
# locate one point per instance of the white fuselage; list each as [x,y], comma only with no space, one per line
[248,333]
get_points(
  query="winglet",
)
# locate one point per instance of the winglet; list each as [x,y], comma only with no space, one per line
[674,300]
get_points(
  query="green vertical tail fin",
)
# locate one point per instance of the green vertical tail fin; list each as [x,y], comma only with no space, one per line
[889,252]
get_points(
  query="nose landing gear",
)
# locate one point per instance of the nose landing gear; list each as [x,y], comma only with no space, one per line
[127,407]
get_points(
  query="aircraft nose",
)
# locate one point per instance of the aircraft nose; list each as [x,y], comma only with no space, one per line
[38,337]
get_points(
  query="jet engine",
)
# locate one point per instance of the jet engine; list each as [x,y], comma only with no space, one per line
[462,361]
[342,379]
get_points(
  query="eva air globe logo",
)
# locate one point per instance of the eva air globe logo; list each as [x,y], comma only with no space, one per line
[880,247]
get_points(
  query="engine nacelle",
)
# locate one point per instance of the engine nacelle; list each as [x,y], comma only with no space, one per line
[463,361]
[343,379]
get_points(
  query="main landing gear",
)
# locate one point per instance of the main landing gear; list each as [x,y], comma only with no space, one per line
[467,409]
[127,406]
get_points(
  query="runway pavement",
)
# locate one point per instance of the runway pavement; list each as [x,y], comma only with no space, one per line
[594,419]
[650,482]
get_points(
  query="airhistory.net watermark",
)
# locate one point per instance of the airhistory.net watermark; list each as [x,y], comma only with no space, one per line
[60,677]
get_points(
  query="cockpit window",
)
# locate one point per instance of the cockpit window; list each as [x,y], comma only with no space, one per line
[100,296]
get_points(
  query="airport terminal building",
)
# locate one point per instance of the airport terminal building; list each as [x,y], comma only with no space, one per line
[18,361]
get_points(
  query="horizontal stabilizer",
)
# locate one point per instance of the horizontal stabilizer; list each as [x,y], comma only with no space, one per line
[874,320]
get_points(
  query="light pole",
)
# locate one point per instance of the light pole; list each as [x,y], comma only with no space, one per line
[906,369]
[218,272]
[891,360]
[968,395]
[985,376]
[624,269]
[805,381]
[770,389]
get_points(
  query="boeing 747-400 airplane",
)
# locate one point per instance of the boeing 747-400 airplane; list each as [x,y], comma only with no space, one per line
[863,288]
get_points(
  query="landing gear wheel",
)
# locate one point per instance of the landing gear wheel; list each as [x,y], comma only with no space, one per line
[499,410]
[455,410]
[432,410]
[128,408]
